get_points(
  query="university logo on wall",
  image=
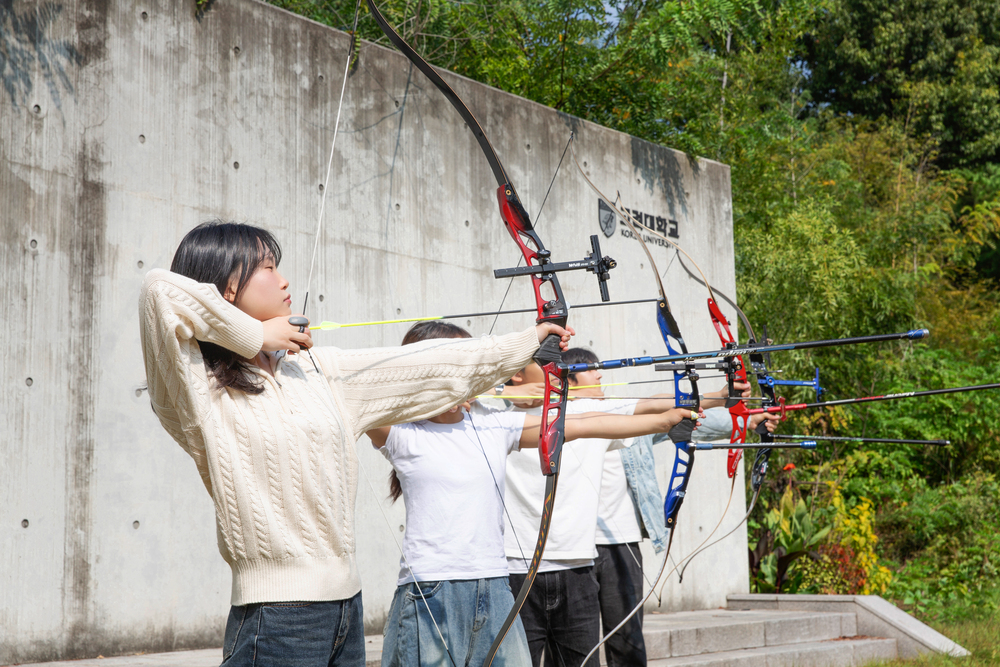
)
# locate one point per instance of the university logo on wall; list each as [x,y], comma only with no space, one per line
[606,217]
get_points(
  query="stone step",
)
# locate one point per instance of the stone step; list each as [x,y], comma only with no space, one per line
[687,633]
[849,652]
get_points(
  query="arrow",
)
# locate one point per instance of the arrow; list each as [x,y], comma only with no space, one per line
[329,326]
[778,409]
[848,439]
[738,350]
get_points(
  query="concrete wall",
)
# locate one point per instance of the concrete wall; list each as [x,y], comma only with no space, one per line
[124,124]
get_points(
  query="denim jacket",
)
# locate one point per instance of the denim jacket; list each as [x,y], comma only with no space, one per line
[637,459]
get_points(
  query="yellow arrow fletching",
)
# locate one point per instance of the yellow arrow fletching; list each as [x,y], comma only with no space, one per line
[326,326]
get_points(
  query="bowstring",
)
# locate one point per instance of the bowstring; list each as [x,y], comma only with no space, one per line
[472,421]
[496,485]
[329,162]
[406,562]
[305,303]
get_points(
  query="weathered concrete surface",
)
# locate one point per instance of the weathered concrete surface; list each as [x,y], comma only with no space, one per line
[122,125]
[875,617]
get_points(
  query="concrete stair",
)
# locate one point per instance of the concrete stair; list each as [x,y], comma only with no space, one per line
[765,638]
[755,631]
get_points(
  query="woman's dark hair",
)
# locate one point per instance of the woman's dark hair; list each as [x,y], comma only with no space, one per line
[418,332]
[578,355]
[217,252]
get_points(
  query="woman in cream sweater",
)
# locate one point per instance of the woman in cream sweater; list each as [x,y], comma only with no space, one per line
[273,439]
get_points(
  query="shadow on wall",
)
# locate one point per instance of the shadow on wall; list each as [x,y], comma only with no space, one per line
[26,50]
[659,167]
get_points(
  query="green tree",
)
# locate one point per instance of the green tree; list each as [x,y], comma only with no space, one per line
[932,65]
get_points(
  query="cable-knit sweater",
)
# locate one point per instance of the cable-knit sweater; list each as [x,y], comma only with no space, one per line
[281,465]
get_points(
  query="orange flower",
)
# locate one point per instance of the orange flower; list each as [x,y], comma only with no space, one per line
[789,466]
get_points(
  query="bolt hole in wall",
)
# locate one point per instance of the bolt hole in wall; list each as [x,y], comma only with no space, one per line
[36,109]
[29,382]
[321,187]
[32,244]
[236,165]
[321,298]
[24,523]
[236,50]
[135,525]
[142,138]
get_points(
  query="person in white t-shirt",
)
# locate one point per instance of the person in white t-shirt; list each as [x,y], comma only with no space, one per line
[452,594]
[631,508]
[561,615]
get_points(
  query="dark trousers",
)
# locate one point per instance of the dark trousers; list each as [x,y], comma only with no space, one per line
[296,634]
[561,617]
[618,570]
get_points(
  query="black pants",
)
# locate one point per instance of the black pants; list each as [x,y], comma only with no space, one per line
[618,569]
[561,617]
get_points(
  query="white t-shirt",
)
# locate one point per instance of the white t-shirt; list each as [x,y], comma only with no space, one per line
[454,528]
[574,521]
[617,517]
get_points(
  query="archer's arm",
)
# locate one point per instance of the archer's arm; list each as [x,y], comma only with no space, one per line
[606,426]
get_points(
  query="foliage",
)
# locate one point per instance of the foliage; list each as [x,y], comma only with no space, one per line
[932,65]
[789,534]
[829,547]
[946,542]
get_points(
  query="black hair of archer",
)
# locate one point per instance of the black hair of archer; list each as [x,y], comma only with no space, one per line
[217,252]
[418,332]
[578,355]
[434,329]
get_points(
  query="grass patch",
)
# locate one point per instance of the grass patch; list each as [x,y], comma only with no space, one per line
[975,627]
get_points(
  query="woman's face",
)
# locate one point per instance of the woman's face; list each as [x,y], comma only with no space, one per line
[266,294]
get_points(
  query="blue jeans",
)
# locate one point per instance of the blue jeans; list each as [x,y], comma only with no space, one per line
[296,634]
[561,617]
[619,574]
[468,613]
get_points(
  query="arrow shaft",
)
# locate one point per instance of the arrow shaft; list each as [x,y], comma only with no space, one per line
[832,438]
[432,318]
[875,399]
[808,444]
[915,334]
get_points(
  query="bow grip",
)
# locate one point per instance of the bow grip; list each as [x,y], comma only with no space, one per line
[682,432]
[549,351]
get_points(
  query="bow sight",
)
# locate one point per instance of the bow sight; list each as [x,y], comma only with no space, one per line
[593,262]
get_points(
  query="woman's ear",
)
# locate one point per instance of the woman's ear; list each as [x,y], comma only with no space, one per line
[230,293]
